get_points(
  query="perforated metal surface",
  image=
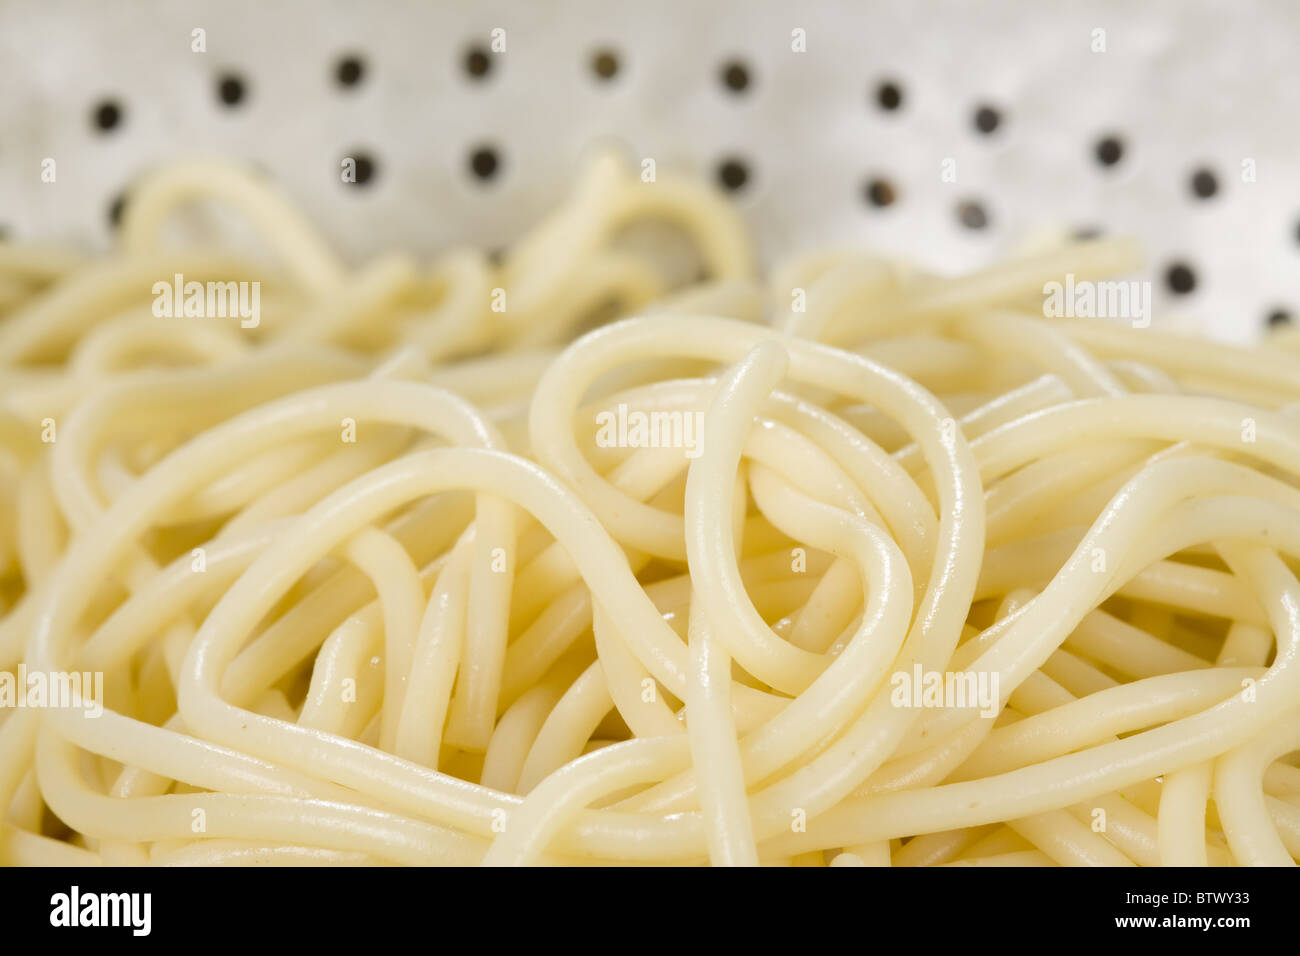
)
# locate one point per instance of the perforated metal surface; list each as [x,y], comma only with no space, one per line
[1181,86]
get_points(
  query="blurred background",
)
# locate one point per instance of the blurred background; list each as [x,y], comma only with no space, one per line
[950,133]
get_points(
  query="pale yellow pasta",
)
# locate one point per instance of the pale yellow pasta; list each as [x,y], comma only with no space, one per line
[854,565]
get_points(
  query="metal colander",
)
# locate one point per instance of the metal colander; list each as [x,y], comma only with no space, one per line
[830,121]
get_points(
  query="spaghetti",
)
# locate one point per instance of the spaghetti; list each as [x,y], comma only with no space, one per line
[863,566]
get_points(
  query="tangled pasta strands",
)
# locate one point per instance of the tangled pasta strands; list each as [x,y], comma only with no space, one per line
[400,571]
